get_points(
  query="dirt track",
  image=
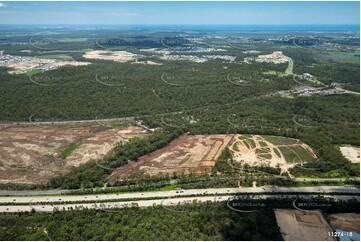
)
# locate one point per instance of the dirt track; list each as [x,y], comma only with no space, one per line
[256,150]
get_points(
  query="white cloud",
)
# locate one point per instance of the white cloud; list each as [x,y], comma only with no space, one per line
[2,5]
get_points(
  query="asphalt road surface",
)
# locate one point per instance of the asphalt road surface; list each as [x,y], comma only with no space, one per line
[193,192]
[166,203]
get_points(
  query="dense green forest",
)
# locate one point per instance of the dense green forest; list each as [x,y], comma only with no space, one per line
[195,221]
[206,93]
[153,223]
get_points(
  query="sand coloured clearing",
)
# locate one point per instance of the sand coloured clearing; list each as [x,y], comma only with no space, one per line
[346,221]
[188,153]
[22,67]
[277,57]
[119,56]
[30,153]
[148,63]
[71,63]
[246,153]
[296,225]
[351,153]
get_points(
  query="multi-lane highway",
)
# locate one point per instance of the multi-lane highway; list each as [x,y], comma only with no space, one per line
[49,202]
[145,203]
[191,192]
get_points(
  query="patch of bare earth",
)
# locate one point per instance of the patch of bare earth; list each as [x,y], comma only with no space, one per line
[148,63]
[22,67]
[277,57]
[188,153]
[351,153]
[296,225]
[346,221]
[31,153]
[119,56]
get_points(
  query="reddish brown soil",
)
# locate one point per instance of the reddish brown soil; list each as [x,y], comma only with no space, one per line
[188,153]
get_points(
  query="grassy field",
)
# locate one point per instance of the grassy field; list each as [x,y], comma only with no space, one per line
[69,150]
[342,57]
[277,140]
[289,155]
[277,153]
[270,73]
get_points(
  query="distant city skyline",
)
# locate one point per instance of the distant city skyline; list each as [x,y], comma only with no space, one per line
[181,13]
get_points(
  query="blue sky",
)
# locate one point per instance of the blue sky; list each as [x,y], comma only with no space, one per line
[198,13]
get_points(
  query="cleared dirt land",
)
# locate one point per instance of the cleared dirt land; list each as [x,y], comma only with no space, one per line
[298,225]
[188,153]
[119,56]
[277,57]
[257,150]
[35,153]
[351,153]
[345,221]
